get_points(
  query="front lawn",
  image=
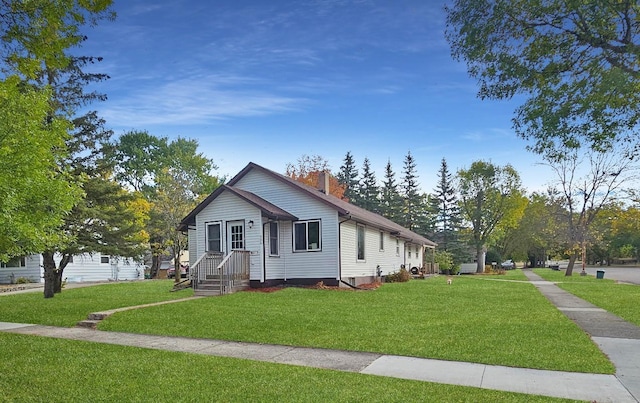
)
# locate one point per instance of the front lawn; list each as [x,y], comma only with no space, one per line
[73,305]
[37,369]
[493,322]
[619,299]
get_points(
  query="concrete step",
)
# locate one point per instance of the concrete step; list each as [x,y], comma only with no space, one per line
[97,316]
[88,324]
[206,292]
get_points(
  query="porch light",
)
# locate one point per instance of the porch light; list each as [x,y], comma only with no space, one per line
[250,223]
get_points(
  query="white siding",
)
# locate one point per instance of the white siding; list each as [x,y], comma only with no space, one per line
[229,207]
[317,264]
[415,260]
[387,259]
[89,267]
[193,247]
[31,271]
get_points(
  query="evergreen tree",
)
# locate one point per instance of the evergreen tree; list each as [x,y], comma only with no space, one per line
[348,177]
[444,204]
[409,186]
[368,191]
[35,46]
[391,201]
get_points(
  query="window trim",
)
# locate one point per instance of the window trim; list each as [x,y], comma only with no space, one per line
[361,243]
[381,241]
[273,224]
[207,246]
[22,262]
[103,258]
[397,247]
[306,239]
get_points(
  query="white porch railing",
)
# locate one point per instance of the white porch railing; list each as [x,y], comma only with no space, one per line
[205,268]
[228,272]
[234,271]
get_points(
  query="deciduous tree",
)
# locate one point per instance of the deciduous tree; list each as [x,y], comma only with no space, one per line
[489,196]
[576,63]
[587,181]
[307,170]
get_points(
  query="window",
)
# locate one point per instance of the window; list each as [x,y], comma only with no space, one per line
[360,242]
[104,259]
[14,262]
[306,236]
[214,238]
[417,253]
[236,231]
[409,251]
[273,239]
[381,240]
[397,247]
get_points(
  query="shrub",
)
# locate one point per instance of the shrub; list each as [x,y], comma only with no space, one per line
[400,276]
[23,280]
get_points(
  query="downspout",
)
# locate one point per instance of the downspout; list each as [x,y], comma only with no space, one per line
[264,252]
[340,247]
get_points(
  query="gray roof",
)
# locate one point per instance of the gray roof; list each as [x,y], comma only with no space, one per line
[344,209]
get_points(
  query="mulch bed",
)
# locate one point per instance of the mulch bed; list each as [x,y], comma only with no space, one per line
[319,286]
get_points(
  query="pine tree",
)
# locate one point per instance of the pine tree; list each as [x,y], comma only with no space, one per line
[368,191]
[411,199]
[444,204]
[348,177]
[391,201]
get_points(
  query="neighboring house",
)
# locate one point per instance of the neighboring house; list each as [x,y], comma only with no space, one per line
[297,234]
[85,267]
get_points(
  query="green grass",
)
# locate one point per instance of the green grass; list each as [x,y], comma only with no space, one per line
[619,299]
[492,322]
[36,369]
[73,305]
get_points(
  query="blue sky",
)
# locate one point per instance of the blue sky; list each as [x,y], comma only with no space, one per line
[269,81]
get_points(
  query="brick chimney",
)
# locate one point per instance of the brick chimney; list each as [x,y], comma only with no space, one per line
[323,182]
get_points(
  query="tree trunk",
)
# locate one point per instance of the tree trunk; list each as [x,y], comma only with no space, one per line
[572,261]
[63,263]
[58,281]
[49,266]
[155,266]
[480,258]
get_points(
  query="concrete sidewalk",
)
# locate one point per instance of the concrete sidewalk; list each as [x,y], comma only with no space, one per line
[592,387]
[617,338]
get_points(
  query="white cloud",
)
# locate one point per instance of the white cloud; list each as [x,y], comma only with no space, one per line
[196,100]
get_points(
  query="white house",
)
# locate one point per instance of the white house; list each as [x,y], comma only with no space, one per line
[84,267]
[297,234]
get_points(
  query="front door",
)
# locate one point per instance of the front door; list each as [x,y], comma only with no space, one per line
[235,235]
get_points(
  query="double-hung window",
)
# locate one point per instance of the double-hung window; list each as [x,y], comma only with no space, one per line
[381,241]
[273,239]
[307,236]
[360,236]
[214,238]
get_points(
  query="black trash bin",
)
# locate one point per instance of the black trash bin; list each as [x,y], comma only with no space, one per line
[600,274]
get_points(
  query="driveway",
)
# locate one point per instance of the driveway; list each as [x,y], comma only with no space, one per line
[620,273]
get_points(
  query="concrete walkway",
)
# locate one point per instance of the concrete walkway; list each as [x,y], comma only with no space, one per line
[618,339]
